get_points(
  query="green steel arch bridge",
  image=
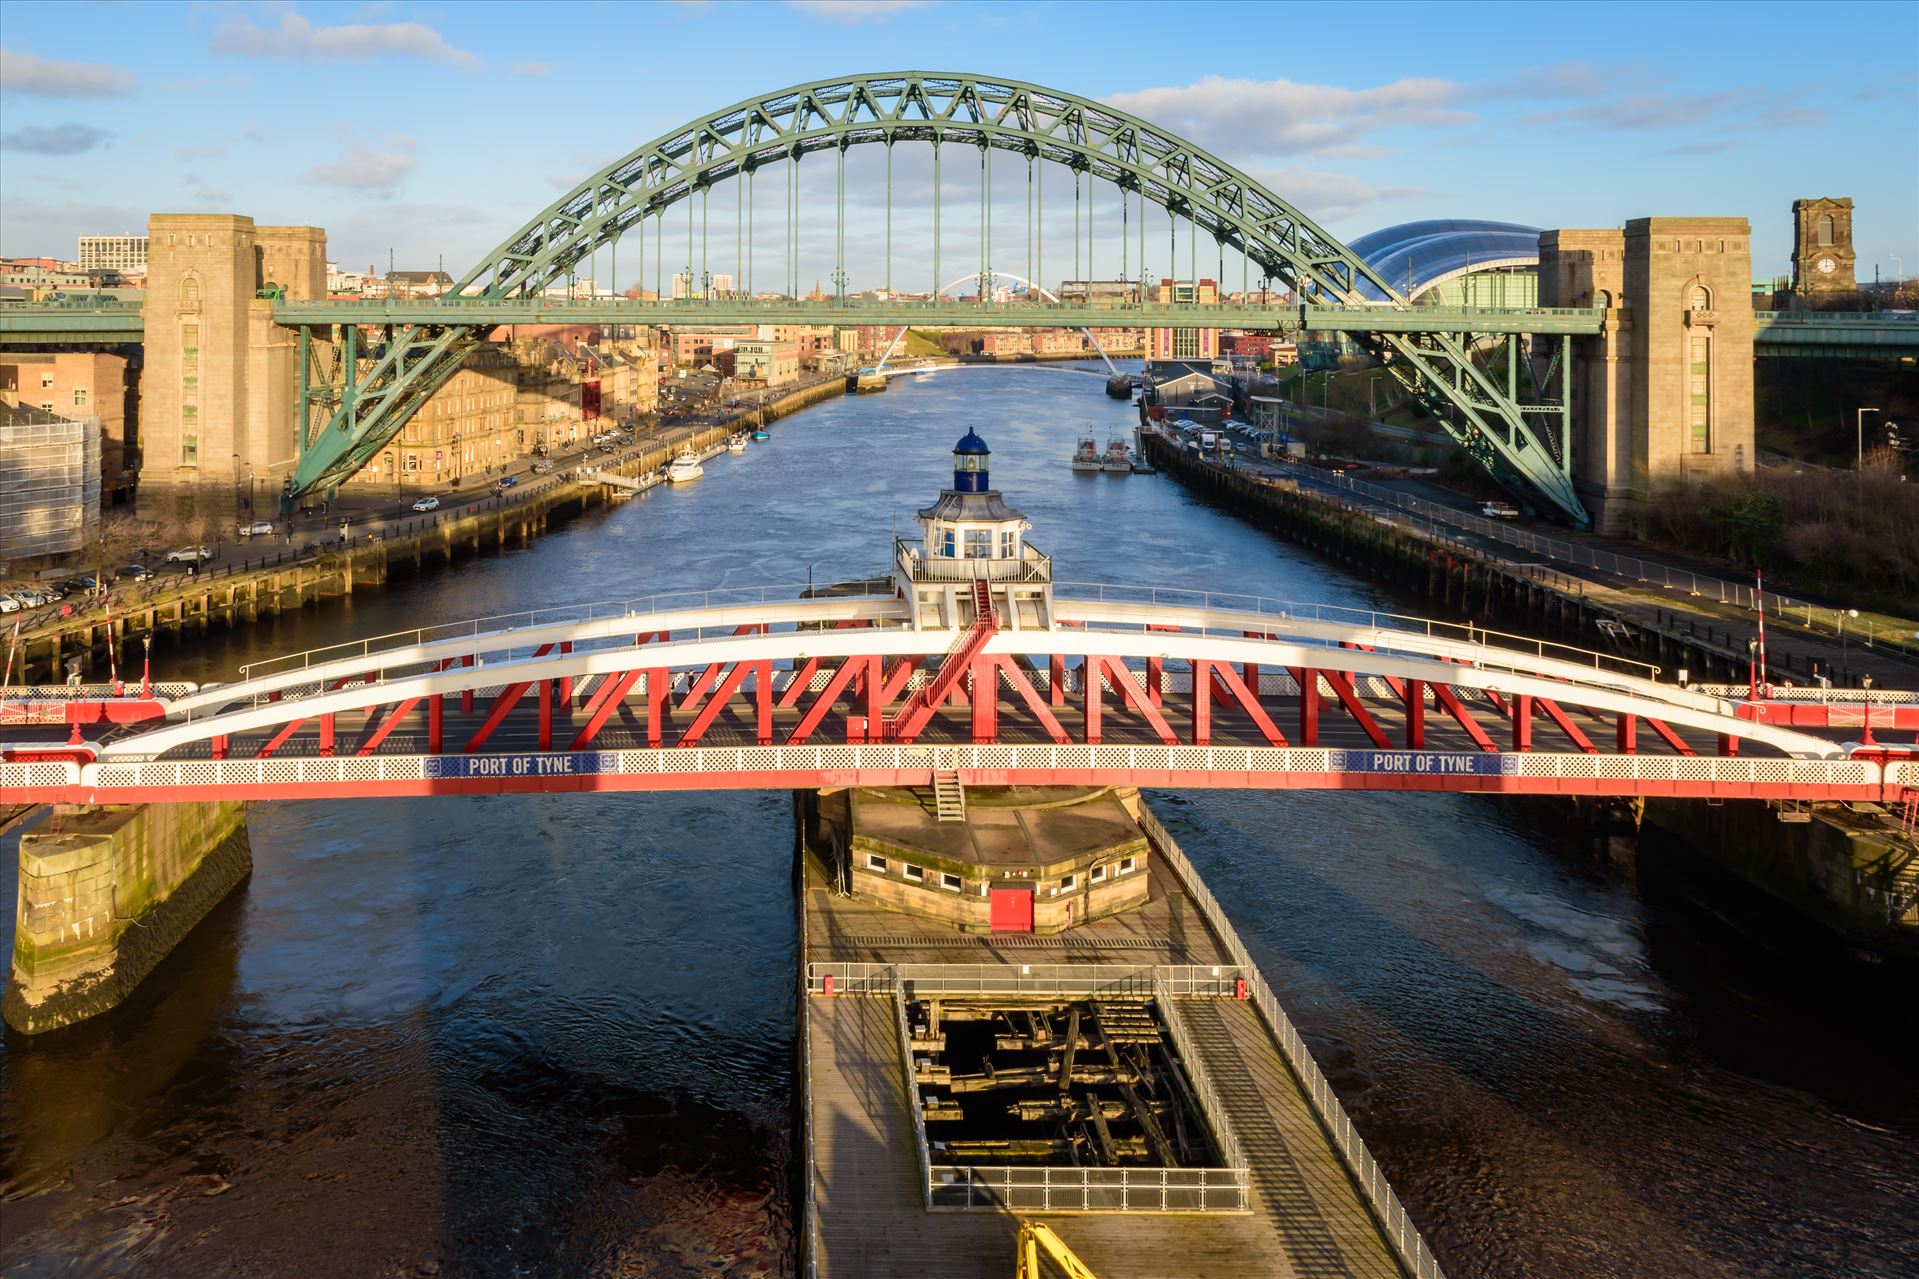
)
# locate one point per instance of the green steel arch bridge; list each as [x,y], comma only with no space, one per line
[1497,379]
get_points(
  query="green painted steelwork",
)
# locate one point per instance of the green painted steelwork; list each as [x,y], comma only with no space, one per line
[1450,373]
[950,313]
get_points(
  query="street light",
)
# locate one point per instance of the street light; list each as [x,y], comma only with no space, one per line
[1845,661]
[1859,421]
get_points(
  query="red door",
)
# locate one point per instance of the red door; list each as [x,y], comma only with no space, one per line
[1012,910]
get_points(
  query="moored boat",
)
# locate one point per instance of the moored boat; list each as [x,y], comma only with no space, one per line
[684,467]
[1117,462]
[736,443]
[1086,456]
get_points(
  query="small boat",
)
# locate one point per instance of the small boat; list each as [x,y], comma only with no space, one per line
[1086,456]
[736,443]
[1117,462]
[685,467]
[1142,467]
[760,433]
[924,375]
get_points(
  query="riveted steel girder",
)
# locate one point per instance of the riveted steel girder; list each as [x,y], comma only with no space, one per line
[944,108]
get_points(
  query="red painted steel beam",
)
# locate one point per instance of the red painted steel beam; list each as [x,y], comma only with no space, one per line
[716,703]
[1413,694]
[810,721]
[387,726]
[1248,700]
[495,716]
[705,682]
[1626,734]
[435,723]
[1090,706]
[1449,700]
[1522,721]
[1308,681]
[763,702]
[1672,739]
[985,695]
[326,734]
[797,685]
[1559,717]
[898,678]
[279,739]
[1135,697]
[1202,725]
[612,693]
[1342,684]
[1017,679]
[546,715]
[1056,679]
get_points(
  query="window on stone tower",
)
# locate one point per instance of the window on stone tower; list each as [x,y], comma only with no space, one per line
[190,289]
[1699,406]
[1825,230]
[1700,300]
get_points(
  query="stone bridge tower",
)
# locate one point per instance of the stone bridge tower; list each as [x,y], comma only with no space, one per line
[1664,393]
[218,387]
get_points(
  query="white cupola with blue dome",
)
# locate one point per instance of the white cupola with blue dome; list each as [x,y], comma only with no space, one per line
[970,535]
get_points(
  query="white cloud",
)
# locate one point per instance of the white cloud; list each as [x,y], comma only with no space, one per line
[533,68]
[363,168]
[1284,117]
[61,139]
[23,73]
[1328,197]
[849,12]
[297,38]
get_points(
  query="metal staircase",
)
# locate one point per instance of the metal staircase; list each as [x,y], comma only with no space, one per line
[917,709]
[949,793]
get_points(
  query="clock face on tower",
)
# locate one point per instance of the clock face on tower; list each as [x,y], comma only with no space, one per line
[1826,266]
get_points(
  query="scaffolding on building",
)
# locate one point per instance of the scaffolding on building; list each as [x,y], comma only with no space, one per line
[49,487]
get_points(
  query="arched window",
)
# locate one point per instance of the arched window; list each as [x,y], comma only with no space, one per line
[1603,300]
[190,289]
[1700,299]
[1825,230]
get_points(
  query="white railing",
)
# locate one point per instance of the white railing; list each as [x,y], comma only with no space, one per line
[1030,566]
[1847,697]
[1134,981]
[1194,1066]
[1079,1189]
[1400,1232]
[1185,762]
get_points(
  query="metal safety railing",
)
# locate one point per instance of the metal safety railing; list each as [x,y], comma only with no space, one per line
[1135,981]
[1398,1227]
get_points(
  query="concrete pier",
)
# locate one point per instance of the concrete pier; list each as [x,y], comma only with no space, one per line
[105,894]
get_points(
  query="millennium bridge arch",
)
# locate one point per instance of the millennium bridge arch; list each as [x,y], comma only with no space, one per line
[1525,442]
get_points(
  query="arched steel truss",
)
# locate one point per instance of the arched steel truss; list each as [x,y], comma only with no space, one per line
[377,391]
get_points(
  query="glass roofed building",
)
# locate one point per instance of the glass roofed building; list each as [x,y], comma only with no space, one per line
[1455,262]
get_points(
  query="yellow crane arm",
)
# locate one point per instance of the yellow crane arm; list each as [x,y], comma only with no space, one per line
[1033,1238]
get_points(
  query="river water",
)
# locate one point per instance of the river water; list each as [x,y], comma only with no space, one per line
[553,1036]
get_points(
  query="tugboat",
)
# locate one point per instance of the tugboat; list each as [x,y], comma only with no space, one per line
[736,443]
[685,467]
[1117,462]
[1086,456]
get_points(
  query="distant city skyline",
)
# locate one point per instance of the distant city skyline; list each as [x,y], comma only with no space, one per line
[424,135]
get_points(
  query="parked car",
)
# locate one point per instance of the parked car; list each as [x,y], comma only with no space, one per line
[8,604]
[136,573]
[607,448]
[427,504]
[542,468]
[190,555]
[506,482]
[256,528]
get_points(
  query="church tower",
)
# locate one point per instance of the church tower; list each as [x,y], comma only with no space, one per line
[1822,256]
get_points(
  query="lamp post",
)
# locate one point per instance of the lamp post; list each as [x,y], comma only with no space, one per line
[1845,661]
[1859,424]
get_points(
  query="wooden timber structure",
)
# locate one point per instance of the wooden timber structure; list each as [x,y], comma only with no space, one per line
[864,1195]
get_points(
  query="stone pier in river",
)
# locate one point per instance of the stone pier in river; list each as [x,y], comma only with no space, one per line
[106,893]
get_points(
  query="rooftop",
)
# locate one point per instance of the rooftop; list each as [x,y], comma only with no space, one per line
[1415,256]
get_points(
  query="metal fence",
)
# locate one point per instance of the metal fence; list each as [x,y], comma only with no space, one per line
[1132,981]
[1399,1229]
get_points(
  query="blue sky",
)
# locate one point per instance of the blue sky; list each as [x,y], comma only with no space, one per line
[436,130]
